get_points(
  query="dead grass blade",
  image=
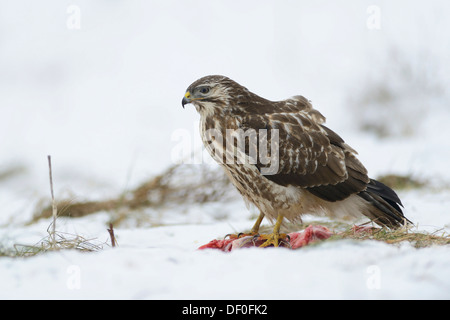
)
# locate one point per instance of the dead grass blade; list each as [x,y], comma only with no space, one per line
[56,242]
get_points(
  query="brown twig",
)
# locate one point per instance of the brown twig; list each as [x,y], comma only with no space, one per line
[111,235]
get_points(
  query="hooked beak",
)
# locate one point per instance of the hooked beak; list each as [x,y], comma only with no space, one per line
[186,99]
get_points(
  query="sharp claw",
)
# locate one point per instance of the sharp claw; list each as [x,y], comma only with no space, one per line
[286,241]
[237,236]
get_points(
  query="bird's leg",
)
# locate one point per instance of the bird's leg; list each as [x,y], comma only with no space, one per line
[255,228]
[254,231]
[274,238]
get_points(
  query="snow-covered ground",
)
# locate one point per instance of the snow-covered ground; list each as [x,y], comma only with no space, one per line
[98,85]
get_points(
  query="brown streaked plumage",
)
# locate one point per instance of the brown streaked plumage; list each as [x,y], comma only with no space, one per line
[316,171]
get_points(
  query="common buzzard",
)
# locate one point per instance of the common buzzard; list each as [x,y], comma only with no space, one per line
[284,160]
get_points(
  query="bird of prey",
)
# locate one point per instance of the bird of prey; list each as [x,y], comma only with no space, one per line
[306,168]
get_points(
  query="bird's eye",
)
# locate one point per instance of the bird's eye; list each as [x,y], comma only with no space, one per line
[204,90]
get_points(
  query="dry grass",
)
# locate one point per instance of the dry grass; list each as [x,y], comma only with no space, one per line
[6,252]
[417,239]
[11,172]
[402,182]
[179,185]
[55,242]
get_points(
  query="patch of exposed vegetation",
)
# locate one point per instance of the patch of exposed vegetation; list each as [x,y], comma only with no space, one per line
[178,185]
[63,241]
[11,171]
[415,238]
[402,182]
[341,230]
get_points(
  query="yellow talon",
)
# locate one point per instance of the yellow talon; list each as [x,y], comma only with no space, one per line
[253,232]
[255,227]
[275,236]
[272,239]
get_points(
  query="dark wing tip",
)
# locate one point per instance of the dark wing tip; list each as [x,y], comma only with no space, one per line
[385,192]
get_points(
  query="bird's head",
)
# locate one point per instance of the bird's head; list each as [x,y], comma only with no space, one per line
[211,92]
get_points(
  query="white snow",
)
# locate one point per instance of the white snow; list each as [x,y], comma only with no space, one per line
[105,101]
